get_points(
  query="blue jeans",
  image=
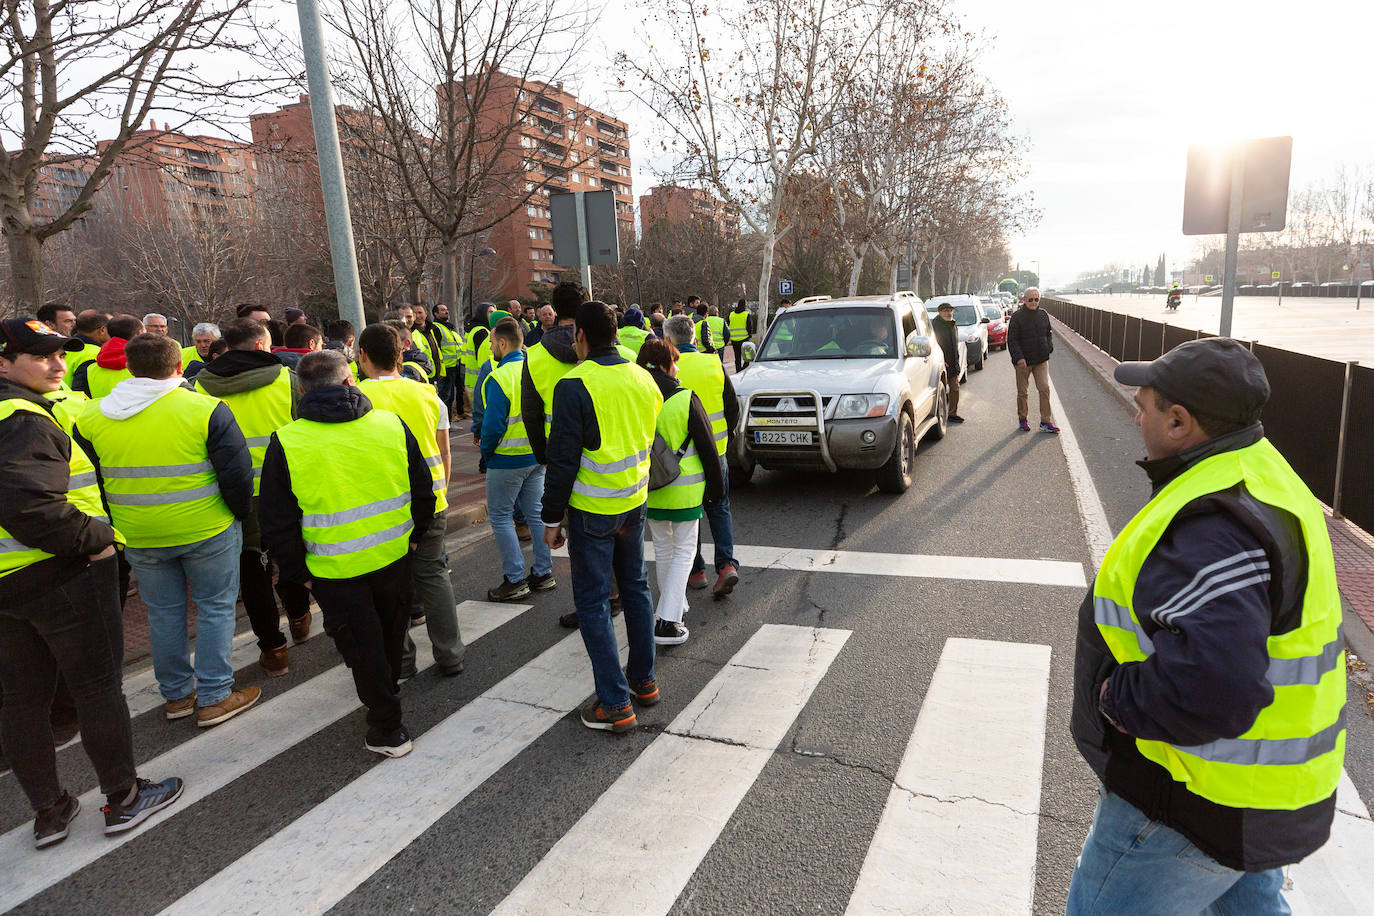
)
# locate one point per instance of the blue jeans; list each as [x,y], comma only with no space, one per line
[508,488]
[211,567]
[597,545]
[722,528]
[1133,864]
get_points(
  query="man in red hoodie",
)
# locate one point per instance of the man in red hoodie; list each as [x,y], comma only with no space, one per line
[99,376]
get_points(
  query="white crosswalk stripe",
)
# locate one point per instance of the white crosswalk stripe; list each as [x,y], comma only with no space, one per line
[214,758]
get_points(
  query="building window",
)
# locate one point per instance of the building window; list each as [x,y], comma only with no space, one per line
[571,113]
[591,180]
[589,141]
[577,179]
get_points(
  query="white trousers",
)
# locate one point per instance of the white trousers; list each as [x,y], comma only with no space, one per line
[675,546]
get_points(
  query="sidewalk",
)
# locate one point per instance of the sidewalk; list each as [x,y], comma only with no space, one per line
[467,510]
[1353,547]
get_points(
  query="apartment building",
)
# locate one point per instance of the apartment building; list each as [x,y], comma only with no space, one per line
[677,204]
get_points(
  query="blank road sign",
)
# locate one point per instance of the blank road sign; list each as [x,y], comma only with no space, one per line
[1207,190]
[603,239]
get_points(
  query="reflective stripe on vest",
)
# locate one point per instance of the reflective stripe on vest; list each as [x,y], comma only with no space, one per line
[83,492]
[687,491]
[715,326]
[101,381]
[515,440]
[418,407]
[356,518]
[615,477]
[259,413]
[545,371]
[739,326]
[450,345]
[1292,755]
[703,373]
[159,482]
[422,343]
[470,351]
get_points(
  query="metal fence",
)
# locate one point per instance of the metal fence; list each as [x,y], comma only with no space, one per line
[1317,407]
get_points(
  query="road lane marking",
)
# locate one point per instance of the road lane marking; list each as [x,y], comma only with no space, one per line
[658,820]
[903,565]
[1095,525]
[958,831]
[213,758]
[350,835]
[1337,878]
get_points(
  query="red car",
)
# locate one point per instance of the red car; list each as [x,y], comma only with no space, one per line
[997,325]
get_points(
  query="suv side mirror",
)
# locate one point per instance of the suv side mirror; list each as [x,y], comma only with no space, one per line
[986,319]
[918,345]
[747,352]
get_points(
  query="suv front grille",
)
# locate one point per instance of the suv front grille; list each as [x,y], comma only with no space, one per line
[786,407]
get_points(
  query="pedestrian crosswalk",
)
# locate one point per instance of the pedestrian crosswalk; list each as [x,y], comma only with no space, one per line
[958,831]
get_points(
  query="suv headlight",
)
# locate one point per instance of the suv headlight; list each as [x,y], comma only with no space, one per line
[853,406]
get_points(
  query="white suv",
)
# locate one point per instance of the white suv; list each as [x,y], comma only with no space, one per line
[849,383]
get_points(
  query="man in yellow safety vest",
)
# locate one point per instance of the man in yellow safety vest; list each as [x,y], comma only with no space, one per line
[1209,682]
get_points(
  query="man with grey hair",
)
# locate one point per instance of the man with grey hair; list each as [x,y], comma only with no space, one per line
[194,357]
[348,535]
[706,376]
[1030,343]
[153,323]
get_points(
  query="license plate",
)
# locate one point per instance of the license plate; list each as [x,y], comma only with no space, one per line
[788,437]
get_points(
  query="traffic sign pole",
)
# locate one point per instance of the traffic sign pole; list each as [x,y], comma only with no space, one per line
[1228,280]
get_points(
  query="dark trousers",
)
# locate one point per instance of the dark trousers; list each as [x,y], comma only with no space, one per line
[459,383]
[75,629]
[367,617]
[446,385]
[738,348]
[255,587]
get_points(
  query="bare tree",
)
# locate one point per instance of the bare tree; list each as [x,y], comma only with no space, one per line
[449,83]
[71,67]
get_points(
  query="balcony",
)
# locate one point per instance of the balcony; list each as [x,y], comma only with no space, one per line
[548,128]
[608,129]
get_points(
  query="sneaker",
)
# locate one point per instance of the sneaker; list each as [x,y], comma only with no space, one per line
[64,731]
[417,620]
[697,579]
[1025,425]
[955,418]
[51,825]
[594,715]
[180,709]
[236,702]
[1047,427]
[542,583]
[669,633]
[274,661]
[568,620]
[389,744]
[299,627]
[645,693]
[726,581]
[149,798]
[508,590]
[523,533]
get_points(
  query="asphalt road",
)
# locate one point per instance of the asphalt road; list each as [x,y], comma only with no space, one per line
[797,838]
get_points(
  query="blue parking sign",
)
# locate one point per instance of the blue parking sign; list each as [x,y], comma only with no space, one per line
[785,288]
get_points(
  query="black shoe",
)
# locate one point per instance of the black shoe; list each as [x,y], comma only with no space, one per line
[150,798]
[568,620]
[670,633]
[508,590]
[542,583]
[955,418]
[52,824]
[389,744]
[62,732]
[452,670]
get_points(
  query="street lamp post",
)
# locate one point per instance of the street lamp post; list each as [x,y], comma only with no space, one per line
[638,289]
[472,262]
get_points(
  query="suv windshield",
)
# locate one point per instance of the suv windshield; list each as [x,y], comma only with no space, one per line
[965,315]
[849,333]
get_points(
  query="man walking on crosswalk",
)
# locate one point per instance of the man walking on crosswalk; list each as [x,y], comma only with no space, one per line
[346,496]
[1209,681]
[604,413]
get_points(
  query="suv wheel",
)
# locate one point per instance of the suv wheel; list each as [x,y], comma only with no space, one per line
[895,475]
[937,431]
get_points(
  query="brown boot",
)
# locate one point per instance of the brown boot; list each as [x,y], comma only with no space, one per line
[300,628]
[236,702]
[274,661]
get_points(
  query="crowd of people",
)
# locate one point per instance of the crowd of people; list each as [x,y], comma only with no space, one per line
[273,463]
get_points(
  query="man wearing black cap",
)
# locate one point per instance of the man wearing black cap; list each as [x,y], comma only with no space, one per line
[59,598]
[1209,678]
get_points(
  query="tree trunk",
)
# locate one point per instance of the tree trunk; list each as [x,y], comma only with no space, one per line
[860,254]
[448,253]
[26,270]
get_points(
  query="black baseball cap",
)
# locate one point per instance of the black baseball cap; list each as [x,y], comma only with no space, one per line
[1216,377]
[29,335]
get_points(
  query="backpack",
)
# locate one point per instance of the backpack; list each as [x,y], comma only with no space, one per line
[665,464]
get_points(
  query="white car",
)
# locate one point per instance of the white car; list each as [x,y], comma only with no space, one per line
[973,329]
[852,384]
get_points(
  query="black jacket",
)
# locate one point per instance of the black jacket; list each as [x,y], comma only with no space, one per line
[35,471]
[558,340]
[1228,573]
[947,336]
[699,431]
[1029,336]
[280,513]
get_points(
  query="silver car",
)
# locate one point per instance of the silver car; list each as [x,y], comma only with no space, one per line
[851,384]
